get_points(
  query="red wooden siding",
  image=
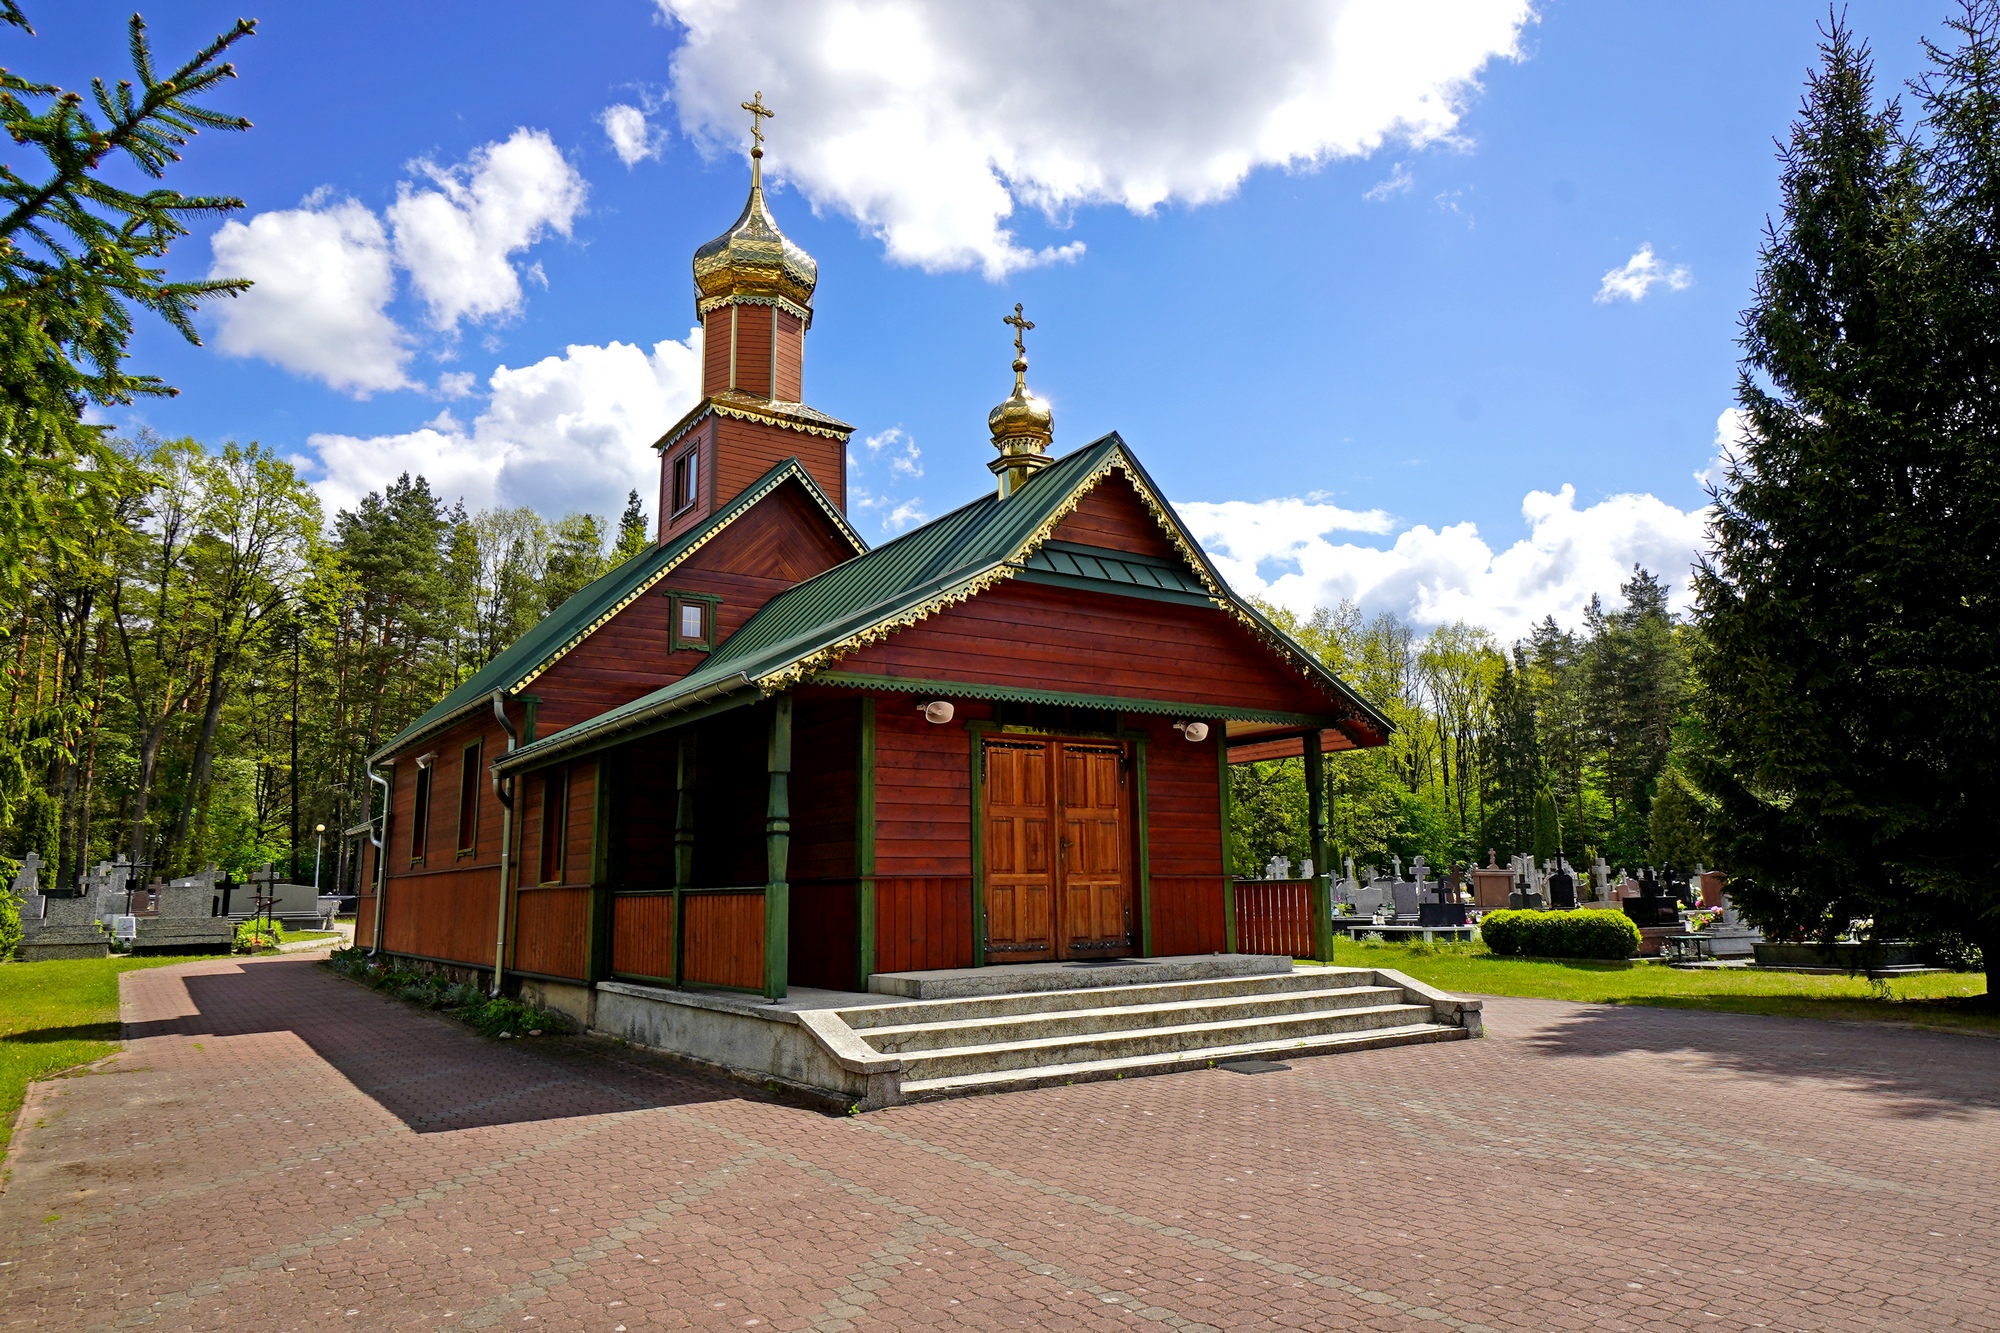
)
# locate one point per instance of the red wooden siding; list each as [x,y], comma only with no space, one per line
[550,926]
[746,450]
[642,936]
[1274,916]
[702,441]
[1093,643]
[923,791]
[715,350]
[1113,515]
[753,349]
[581,828]
[447,914]
[922,922]
[725,939]
[784,539]
[791,357]
[1184,839]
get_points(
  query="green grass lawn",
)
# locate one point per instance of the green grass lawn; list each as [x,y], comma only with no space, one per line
[1945,999]
[55,1015]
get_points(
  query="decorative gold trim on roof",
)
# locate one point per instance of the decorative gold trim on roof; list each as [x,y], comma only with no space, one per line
[793,674]
[770,411]
[739,507]
[804,314]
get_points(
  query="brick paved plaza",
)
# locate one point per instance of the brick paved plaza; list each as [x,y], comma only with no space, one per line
[279,1148]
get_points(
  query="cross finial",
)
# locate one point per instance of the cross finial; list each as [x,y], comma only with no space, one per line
[758,114]
[1021,326]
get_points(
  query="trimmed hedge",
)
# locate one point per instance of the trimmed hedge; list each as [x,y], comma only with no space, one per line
[1579,934]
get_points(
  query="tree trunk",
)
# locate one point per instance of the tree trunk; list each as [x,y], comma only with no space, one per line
[204,755]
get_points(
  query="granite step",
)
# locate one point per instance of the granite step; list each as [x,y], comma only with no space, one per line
[1171,1062]
[991,1029]
[1093,1047]
[864,1017]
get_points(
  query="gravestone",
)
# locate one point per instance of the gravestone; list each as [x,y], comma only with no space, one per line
[1490,887]
[1278,867]
[1710,883]
[1732,937]
[66,928]
[27,887]
[186,921]
[1562,888]
[1600,879]
[1652,906]
[1407,903]
[296,906]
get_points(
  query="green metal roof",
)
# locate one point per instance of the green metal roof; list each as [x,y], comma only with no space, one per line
[572,622]
[900,581]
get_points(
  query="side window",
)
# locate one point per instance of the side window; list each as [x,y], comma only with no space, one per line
[692,620]
[420,814]
[687,480]
[555,808]
[468,801]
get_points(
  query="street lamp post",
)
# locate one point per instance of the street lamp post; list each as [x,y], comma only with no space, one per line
[319,846]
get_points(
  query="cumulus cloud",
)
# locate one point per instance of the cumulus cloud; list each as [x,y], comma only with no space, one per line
[1279,550]
[886,460]
[325,272]
[323,282]
[631,137]
[930,123]
[456,239]
[1730,427]
[569,432]
[1399,181]
[1639,275]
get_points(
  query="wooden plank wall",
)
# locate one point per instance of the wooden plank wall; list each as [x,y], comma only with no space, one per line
[824,911]
[447,914]
[1113,515]
[725,939]
[753,349]
[642,936]
[444,906]
[923,837]
[1091,643]
[782,541]
[715,350]
[746,450]
[551,927]
[1274,916]
[1184,838]
[791,358]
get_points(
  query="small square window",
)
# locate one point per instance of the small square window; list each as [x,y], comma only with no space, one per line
[691,620]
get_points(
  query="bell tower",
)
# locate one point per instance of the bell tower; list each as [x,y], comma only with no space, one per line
[753,294]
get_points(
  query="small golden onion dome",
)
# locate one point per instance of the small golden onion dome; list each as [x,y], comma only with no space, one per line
[1022,424]
[754,262]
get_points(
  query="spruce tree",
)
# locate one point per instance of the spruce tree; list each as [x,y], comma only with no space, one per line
[633,535]
[1848,608]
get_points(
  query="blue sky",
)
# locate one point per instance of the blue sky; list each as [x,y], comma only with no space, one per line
[1367,371]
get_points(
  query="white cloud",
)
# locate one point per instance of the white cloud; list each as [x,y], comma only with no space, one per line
[1399,181]
[1730,427]
[930,123]
[457,384]
[1432,577]
[569,432]
[1639,275]
[456,239]
[631,137]
[323,281]
[901,452]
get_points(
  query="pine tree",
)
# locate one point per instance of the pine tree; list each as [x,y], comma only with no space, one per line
[1850,605]
[633,533]
[576,557]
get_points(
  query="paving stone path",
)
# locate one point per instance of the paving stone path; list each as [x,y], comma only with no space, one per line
[280,1149]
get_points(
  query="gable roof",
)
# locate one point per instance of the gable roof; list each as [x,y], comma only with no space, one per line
[559,632]
[920,573]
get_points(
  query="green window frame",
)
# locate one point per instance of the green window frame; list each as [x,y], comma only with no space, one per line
[681,606]
[555,824]
[468,800]
[420,813]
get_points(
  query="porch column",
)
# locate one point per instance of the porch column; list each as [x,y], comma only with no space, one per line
[683,837]
[778,851]
[864,847]
[1322,881]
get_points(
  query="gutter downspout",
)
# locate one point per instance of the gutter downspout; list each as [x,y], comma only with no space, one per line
[503,790]
[381,844]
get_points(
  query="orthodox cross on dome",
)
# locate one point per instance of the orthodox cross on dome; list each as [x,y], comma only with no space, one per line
[1021,326]
[758,114]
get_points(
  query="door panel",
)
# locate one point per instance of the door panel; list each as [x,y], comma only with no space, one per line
[1020,873]
[1095,886]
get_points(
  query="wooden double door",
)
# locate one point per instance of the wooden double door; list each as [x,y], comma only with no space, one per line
[1058,856]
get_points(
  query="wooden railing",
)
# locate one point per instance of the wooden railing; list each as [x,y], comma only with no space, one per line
[642,935]
[552,931]
[1274,916]
[722,934]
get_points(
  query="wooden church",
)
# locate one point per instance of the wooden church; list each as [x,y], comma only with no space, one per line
[763,755]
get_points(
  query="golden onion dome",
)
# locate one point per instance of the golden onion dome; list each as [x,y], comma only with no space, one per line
[754,261]
[1023,422]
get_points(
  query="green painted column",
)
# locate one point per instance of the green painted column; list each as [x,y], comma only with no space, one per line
[864,847]
[778,851]
[1228,870]
[1322,881]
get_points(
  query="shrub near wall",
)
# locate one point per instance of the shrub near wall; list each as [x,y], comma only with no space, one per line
[1579,934]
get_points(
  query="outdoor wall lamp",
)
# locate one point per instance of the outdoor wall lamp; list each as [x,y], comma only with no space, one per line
[939,711]
[424,760]
[1194,731]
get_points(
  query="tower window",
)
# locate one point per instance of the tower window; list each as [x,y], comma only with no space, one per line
[687,481]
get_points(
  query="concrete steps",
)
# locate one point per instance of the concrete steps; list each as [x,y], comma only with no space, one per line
[983,1041]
